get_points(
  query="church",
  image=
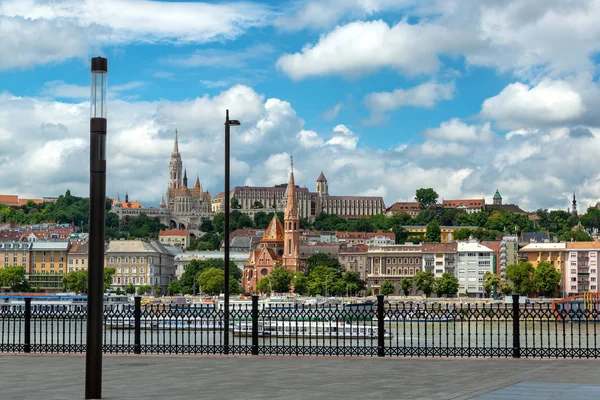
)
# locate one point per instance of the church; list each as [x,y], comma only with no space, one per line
[280,243]
[184,206]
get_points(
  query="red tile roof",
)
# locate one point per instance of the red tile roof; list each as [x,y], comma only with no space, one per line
[173,232]
[472,203]
[400,206]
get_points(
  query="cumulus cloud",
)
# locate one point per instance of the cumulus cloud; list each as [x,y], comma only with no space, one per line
[425,95]
[343,137]
[457,130]
[361,47]
[530,39]
[519,106]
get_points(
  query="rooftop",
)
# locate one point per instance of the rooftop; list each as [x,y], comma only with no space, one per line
[473,247]
[174,232]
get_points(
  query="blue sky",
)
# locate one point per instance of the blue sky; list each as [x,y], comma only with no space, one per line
[384,96]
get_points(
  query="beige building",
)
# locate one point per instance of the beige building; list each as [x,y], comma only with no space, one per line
[140,262]
[175,238]
[354,259]
[412,208]
[392,263]
[78,258]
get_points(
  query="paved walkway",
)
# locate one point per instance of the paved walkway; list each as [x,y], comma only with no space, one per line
[273,378]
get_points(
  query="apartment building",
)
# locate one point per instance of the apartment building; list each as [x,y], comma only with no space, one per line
[15,254]
[354,259]
[78,257]
[439,258]
[48,265]
[474,260]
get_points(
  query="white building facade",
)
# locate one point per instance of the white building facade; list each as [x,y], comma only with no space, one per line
[473,261]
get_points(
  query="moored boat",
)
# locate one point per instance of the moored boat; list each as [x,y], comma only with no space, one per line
[308,329]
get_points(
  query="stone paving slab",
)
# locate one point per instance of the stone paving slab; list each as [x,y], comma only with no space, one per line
[544,391]
[284,378]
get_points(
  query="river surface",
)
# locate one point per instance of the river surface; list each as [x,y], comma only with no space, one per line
[476,338]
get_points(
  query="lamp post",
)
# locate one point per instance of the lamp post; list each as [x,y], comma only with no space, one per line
[228,123]
[93,355]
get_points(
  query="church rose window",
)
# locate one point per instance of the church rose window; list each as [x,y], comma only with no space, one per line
[264,271]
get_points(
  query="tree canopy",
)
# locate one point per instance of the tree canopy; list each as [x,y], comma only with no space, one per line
[521,276]
[426,197]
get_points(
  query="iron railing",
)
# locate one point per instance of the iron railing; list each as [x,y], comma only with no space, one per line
[404,329]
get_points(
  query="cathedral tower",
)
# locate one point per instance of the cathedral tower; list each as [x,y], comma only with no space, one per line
[175,166]
[291,222]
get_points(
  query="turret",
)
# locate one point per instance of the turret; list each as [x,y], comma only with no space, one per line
[185,178]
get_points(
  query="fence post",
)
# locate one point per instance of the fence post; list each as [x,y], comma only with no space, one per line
[137,333]
[254,325]
[380,328]
[27,342]
[516,327]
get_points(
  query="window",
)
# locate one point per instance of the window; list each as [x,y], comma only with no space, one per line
[573,287]
[134,260]
[142,270]
[118,270]
[133,269]
[592,271]
[573,271]
[126,260]
[149,260]
[112,260]
[471,254]
[126,270]
[141,260]
[119,260]
[593,279]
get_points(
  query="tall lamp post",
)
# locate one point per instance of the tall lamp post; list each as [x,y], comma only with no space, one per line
[93,355]
[228,123]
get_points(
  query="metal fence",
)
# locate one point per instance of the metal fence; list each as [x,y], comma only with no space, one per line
[405,329]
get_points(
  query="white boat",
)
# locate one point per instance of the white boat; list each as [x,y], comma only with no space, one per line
[61,303]
[306,329]
[161,323]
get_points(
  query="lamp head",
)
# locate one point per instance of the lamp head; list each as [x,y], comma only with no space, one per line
[234,122]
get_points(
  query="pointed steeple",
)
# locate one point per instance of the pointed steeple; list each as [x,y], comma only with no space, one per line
[185,178]
[321,178]
[291,207]
[126,197]
[162,202]
[574,205]
[118,199]
[176,144]
[197,181]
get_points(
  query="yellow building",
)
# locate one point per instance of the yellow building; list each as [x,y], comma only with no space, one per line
[15,254]
[48,265]
[535,253]
[447,233]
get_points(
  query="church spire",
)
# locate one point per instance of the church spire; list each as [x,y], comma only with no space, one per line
[291,208]
[197,181]
[574,205]
[185,178]
[176,144]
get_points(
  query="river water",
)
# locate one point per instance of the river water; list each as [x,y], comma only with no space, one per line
[493,338]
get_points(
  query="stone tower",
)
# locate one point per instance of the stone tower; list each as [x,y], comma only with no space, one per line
[175,166]
[322,193]
[574,206]
[497,198]
[291,227]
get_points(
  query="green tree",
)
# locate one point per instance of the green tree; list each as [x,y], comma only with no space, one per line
[235,204]
[76,281]
[281,279]
[506,288]
[257,204]
[387,288]
[265,285]
[322,280]
[425,282]
[108,277]
[546,279]
[144,289]
[406,285]
[491,282]
[212,282]
[400,234]
[174,287]
[118,291]
[447,284]
[434,233]
[578,236]
[300,283]
[426,197]
[157,291]
[323,259]
[353,283]
[130,289]
[591,219]
[189,281]
[521,276]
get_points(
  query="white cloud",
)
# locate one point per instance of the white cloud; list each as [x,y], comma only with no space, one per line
[26,43]
[309,139]
[457,130]
[221,58]
[125,21]
[333,112]
[530,39]
[343,138]
[519,106]
[324,13]
[425,95]
[60,89]
[362,47]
